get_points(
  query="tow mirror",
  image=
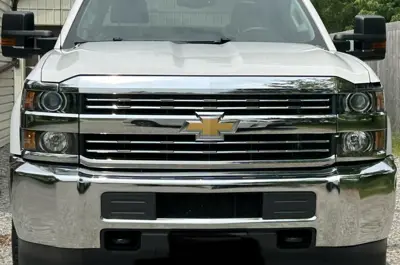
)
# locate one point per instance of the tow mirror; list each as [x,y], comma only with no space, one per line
[19,39]
[369,38]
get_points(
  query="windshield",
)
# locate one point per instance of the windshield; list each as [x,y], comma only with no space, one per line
[214,21]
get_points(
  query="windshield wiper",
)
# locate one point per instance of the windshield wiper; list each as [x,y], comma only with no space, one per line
[76,43]
[220,41]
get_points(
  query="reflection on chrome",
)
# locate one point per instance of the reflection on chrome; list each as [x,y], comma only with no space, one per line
[206,84]
[355,204]
[283,135]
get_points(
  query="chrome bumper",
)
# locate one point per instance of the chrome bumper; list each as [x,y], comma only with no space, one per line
[60,206]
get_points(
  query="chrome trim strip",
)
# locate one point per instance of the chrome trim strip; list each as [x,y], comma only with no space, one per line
[362,122]
[172,124]
[103,84]
[371,156]
[98,151]
[208,143]
[186,117]
[50,114]
[53,127]
[115,107]
[54,122]
[234,223]
[265,124]
[204,84]
[211,165]
[217,177]
[166,100]
[40,86]
[48,157]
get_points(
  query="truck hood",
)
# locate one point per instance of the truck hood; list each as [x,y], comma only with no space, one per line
[167,58]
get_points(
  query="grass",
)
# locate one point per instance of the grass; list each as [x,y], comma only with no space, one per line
[396,144]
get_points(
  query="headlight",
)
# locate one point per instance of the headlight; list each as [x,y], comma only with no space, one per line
[46,97]
[49,123]
[52,101]
[55,142]
[55,147]
[359,102]
[361,123]
[363,102]
[362,145]
[50,142]
[356,142]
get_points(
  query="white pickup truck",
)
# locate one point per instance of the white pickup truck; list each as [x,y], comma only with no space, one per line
[154,129]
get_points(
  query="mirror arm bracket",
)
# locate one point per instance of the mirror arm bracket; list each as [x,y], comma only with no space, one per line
[358,37]
[29,33]
[33,51]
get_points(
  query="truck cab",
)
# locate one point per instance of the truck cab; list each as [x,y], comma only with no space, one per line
[154,129]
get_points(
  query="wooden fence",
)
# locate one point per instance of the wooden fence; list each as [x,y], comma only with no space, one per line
[388,71]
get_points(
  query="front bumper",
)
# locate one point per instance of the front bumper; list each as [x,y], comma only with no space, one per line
[60,206]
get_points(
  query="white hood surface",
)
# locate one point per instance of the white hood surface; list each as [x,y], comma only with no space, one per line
[230,59]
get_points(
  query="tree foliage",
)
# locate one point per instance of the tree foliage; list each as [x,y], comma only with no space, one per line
[338,15]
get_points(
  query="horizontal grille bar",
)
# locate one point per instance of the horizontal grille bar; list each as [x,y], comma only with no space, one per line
[203,152]
[204,100]
[120,107]
[212,143]
[244,147]
[231,104]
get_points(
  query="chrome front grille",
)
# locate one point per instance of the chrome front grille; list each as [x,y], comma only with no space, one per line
[235,147]
[168,123]
[230,104]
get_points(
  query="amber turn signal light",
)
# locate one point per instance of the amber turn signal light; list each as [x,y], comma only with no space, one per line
[29,140]
[29,100]
[380,101]
[380,140]
[379,45]
[8,42]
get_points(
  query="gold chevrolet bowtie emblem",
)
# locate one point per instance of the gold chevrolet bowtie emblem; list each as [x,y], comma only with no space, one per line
[209,126]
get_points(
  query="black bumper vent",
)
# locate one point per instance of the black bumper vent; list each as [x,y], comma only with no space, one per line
[150,206]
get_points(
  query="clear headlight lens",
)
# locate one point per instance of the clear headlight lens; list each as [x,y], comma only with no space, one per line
[54,142]
[364,102]
[359,102]
[356,142]
[52,101]
[50,142]
[362,144]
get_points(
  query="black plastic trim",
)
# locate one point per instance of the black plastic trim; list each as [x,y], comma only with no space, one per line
[289,205]
[155,250]
[128,205]
[150,206]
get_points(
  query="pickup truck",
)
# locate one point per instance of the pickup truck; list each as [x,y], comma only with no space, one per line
[207,129]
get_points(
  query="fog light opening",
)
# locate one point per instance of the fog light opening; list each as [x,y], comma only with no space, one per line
[294,239]
[122,240]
